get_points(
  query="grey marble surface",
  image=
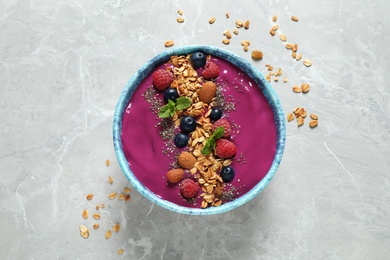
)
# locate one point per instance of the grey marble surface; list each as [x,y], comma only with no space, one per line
[63,65]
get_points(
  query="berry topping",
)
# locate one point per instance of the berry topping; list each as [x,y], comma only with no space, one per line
[225,149]
[162,79]
[181,140]
[227,174]
[216,113]
[211,71]
[170,94]
[198,60]
[175,175]
[187,124]
[189,188]
[227,128]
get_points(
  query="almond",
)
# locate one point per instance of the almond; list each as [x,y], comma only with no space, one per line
[175,175]
[186,160]
[207,92]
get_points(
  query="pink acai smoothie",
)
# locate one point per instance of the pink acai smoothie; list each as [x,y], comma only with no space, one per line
[254,136]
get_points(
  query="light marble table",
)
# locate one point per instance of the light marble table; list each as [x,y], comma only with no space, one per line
[63,65]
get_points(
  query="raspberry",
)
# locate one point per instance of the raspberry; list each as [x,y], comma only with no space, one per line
[225,149]
[227,128]
[162,79]
[189,188]
[211,71]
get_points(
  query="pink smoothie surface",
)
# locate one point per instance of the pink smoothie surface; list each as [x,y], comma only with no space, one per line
[255,138]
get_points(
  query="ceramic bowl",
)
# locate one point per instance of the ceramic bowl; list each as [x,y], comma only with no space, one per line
[246,67]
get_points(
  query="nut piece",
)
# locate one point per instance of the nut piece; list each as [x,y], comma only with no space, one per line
[294,18]
[239,23]
[289,46]
[211,20]
[290,117]
[246,24]
[226,41]
[84,231]
[180,19]
[305,88]
[96,226]
[285,79]
[299,56]
[227,15]
[207,92]
[89,196]
[235,31]
[186,160]
[120,251]
[175,175]
[112,195]
[108,234]
[257,55]
[110,180]
[116,227]
[297,89]
[275,18]
[228,34]
[85,214]
[307,63]
[126,190]
[180,12]
[96,216]
[169,43]
[313,123]
[245,43]
[300,121]
[108,162]
[283,37]
[314,116]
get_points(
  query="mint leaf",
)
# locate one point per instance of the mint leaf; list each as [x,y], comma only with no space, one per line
[168,110]
[218,133]
[211,142]
[183,103]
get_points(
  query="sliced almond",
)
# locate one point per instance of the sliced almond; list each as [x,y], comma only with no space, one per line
[112,195]
[272,32]
[226,41]
[89,197]
[110,180]
[307,63]
[283,37]
[293,54]
[289,46]
[227,15]
[297,89]
[313,123]
[121,196]
[295,47]
[108,162]
[126,190]
[84,231]
[120,251]
[180,12]
[274,18]
[228,34]
[96,216]
[285,79]
[116,227]
[180,19]
[108,234]
[246,24]
[212,20]
[314,116]
[305,88]
[85,214]
[275,27]
[239,23]
[246,48]
[245,43]
[300,121]
[83,228]
[294,18]
[169,43]
[235,31]
[96,226]
[299,56]
[290,117]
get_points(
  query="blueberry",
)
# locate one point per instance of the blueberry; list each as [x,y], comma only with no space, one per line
[198,59]
[170,93]
[181,140]
[187,124]
[227,173]
[215,114]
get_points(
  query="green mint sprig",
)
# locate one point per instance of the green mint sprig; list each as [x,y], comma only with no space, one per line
[169,109]
[211,142]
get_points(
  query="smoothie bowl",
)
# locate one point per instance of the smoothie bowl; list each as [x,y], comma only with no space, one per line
[198,130]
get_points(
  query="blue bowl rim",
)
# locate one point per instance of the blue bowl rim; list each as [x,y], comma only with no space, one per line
[246,67]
